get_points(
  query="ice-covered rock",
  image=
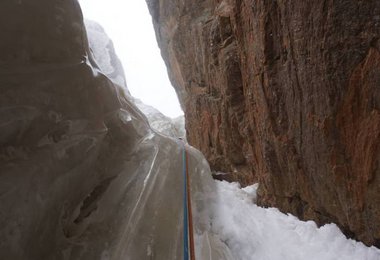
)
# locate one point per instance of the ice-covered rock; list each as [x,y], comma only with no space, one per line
[179,124]
[161,123]
[104,53]
[82,175]
[107,60]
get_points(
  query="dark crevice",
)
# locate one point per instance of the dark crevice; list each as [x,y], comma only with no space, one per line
[90,203]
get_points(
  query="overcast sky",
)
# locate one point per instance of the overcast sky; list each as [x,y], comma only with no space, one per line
[129,25]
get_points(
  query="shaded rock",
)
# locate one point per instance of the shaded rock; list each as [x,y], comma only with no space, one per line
[285,93]
[222,176]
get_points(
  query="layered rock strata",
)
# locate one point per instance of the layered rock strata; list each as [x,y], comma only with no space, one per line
[286,93]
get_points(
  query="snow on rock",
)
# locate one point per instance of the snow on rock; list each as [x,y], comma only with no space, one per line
[104,53]
[161,123]
[252,232]
[106,58]
[179,124]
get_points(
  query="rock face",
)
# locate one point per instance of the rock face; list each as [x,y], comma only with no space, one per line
[286,93]
[82,176]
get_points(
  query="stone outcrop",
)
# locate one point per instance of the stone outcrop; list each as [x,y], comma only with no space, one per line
[286,93]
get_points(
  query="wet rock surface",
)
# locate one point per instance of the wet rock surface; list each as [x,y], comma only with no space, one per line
[286,93]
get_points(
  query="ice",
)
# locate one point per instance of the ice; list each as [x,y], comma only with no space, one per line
[104,53]
[106,59]
[83,176]
[161,123]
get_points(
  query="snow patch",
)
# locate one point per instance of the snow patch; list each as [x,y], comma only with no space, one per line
[252,232]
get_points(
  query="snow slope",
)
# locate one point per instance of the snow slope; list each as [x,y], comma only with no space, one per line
[252,232]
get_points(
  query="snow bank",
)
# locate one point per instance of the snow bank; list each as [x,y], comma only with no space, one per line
[252,232]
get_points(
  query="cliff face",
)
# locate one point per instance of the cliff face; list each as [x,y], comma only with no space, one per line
[286,93]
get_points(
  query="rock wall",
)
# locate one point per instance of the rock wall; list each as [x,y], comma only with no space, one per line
[286,93]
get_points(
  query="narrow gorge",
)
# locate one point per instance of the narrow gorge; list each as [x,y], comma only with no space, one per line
[282,98]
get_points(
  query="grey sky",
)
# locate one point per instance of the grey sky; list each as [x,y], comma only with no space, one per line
[129,25]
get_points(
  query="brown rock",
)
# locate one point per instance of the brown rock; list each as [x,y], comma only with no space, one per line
[286,93]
